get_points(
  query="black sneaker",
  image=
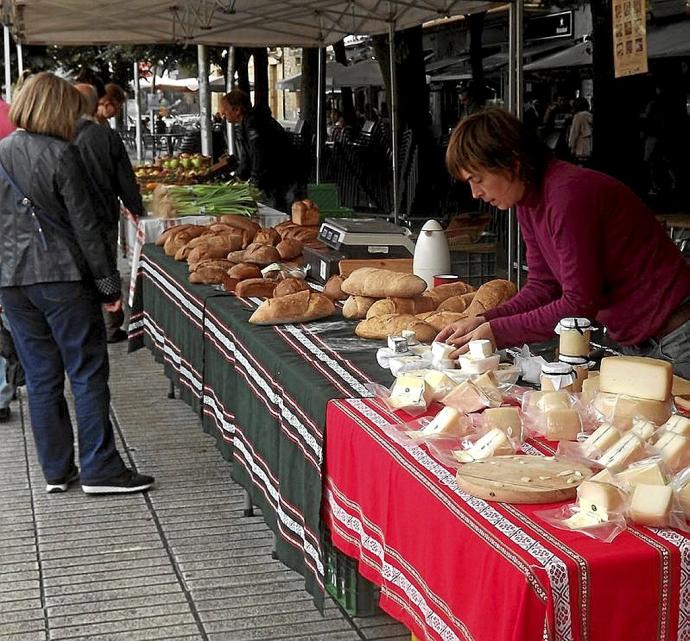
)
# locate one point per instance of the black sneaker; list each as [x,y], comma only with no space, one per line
[125,483]
[61,485]
[4,414]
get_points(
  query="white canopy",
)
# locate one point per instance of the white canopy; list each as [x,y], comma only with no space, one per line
[360,74]
[220,22]
[216,83]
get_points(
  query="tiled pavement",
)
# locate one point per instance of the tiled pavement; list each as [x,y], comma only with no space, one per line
[178,564]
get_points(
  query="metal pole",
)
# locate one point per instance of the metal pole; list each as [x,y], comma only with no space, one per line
[519,109]
[137,111]
[229,86]
[394,117]
[204,101]
[8,64]
[319,114]
[20,59]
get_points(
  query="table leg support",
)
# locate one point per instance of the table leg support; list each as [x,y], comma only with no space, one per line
[274,551]
[171,390]
[248,507]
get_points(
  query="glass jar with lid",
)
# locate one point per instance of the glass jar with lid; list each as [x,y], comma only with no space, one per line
[557,376]
[574,335]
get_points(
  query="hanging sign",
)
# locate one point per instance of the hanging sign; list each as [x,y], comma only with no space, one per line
[629,37]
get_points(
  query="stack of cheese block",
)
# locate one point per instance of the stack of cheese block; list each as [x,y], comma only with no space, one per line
[554,414]
[389,302]
[502,431]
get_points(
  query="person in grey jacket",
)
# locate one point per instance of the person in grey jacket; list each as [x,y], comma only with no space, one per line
[56,270]
[107,162]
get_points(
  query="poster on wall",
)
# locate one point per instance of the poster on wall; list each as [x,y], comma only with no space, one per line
[629,37]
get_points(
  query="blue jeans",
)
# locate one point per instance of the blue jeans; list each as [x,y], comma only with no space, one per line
[58,327]
[6,391]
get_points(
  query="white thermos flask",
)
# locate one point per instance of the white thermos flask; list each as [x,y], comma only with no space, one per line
[431,254]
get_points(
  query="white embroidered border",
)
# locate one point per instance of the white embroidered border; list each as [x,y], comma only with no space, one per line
[178,294]
[555,567]
[683,545]
[214,406]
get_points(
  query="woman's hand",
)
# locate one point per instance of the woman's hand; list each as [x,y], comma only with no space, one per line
[483,331]
[115,306]
[459,329]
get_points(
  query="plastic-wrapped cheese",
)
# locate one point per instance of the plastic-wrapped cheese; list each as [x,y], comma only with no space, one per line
[651,504]
[674,449]
[473,396]
[447,421]
[637,376]
[481,348]
[604,496]
[590,387]
[600,440]
[439,383]
[678,424]
[554,401]
[647,472]
[628,449]
[410,392]
[621,410]
[506,419]
[562,424]
[494,442]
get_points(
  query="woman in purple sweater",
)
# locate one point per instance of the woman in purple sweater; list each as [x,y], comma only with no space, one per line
[594,250]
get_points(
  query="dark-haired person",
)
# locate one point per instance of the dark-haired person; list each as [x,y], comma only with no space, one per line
[266,158]
[594,250]
[56,272]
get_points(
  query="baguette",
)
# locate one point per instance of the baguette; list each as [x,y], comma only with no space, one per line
[380,283]
[443,292]
[290,286]
[439,320]
[289,248]
[456,303]
[381,327]
[333,290]
[294,308]
[242,271]
[490,295]
[416,305]
[356,307]
[171,231]
[261,254]
[255,287]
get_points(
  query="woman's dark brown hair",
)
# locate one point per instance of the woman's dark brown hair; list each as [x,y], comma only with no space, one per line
[496,141]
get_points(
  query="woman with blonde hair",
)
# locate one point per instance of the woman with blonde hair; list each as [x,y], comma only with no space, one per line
[56,271]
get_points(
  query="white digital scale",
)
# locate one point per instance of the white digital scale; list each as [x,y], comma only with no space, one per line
[367,238]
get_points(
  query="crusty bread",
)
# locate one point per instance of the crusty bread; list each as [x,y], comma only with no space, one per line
[490,295]
[206,252]
[290,286]
[380,283]
[302,233]
[356,307]
[333,288]
[261,254]
[242,271]
[229,284]
[380,327]
[212,262]
[255,287]
[236,257]
[207,275]
[289,248]
[456,304]
[305,212]
[240,222]
[443,292]
[415,305]
[294,308]
[229,242]
[172,231]
[267,236]
[439,320]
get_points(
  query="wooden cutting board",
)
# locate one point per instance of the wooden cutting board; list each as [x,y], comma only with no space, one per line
[348,265]
[522,479]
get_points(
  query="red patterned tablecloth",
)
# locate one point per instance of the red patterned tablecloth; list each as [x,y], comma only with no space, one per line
[452,566]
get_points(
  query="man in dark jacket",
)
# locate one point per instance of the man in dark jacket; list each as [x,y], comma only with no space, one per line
[266,158]
[111,172]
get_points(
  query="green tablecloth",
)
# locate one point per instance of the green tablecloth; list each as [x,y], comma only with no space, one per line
[262,392]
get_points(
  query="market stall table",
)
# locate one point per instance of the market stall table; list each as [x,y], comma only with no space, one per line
[452,566]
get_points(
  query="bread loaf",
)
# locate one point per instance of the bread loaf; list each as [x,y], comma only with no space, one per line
[207,275]
[267,236]
[356,307]
[293,308]
[300,232]
[490,295]
[380,283]
[242,271]
[255,287]
[229,284]
[439,320]
[333,288]
[261,254]
[172,231]
[415,305]
[205,252]
[290,286]
[240,222]
[443,292]
[456,304]
[212,262]
[289,248]
[380,327]
[305,212]
[236,257]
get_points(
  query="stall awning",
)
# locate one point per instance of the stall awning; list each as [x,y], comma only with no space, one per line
[220,22]
[360,74]
[183,85]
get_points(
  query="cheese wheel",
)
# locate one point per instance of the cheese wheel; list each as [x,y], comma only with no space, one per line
[621,410]
[637,376]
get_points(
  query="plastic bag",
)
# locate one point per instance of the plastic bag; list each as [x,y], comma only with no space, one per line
[572,518]
[475,446]
[651,471]
[681,486]
[529,365]
[402,397]
[667,510]
[589,447]
[447,424]
[556,416]
[673,448]
[621,410]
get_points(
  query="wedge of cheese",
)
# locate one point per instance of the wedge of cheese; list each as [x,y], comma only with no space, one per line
[439,383]
[600,497]
[448,422]
[506,419]
[473,396]
[628,449]
[600,440]
[562,424]
[678,424]
[651,504]
[637,376]
[410,392]
[674,449]
[549,401]
[621,410]
[493,443]
[590,387]
[647,472]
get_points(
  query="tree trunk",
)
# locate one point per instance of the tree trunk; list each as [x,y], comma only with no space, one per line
[475,24]
[241,68]
[261,78]
[347,103]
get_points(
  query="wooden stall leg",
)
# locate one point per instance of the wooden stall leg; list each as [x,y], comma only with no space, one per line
[171,390]
[248,507]
[274,551]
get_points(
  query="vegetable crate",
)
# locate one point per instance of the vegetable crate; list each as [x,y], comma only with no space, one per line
[357,596]
[474,263]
